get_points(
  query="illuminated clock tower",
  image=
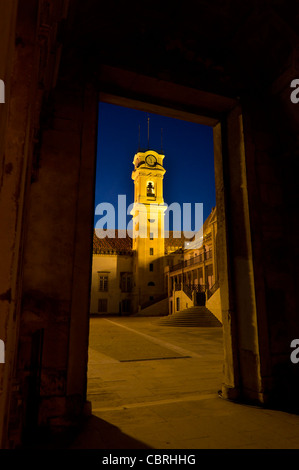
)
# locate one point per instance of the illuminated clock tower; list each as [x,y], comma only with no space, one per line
[148,226]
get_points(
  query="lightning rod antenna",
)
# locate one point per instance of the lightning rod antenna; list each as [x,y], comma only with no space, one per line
[139,138]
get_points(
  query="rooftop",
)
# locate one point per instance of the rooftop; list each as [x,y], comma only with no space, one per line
[120,241]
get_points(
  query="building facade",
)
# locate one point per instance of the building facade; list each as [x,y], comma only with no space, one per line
[148,226]
[112,276]
[154,271]
[194,278]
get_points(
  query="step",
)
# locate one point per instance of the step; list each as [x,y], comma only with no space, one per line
[193,316]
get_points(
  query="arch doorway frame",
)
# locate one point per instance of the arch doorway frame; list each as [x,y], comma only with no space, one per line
[245,363]
[246,359]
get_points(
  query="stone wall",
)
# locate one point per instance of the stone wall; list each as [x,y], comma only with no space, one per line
[57,258]
[214,305]
[28,33]
[240,85]
[158,309]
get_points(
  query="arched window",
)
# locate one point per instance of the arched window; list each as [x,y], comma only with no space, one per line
[150,189]
[151,284]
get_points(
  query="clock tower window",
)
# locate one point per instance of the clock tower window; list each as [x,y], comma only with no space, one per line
[150,189]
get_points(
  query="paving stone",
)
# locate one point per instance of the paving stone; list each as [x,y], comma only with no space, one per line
[171,403]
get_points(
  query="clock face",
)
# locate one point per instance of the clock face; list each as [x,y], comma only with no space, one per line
[151,160]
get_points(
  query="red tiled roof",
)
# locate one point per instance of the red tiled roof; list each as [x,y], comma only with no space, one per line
[112,245]
[117,245]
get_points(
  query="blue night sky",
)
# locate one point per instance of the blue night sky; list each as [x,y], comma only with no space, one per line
[188,150]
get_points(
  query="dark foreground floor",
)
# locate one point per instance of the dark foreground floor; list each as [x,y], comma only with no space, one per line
[157,387]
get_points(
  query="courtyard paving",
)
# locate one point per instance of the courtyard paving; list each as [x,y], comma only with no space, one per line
[156,387]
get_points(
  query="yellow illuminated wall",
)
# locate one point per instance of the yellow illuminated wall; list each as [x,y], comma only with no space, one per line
[148,225]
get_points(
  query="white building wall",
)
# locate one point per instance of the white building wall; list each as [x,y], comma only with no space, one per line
[111,266]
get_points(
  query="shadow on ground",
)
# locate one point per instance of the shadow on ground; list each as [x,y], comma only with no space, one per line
[99,434]
[93,433]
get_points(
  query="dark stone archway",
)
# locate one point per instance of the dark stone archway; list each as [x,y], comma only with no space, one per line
[229,67]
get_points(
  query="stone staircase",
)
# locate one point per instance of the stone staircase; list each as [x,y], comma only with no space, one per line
[193,316]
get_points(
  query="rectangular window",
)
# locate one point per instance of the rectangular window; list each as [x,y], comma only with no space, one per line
[103,283]
[103,305]
[151,251]
[126,282]
[151,236]
[151,267]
